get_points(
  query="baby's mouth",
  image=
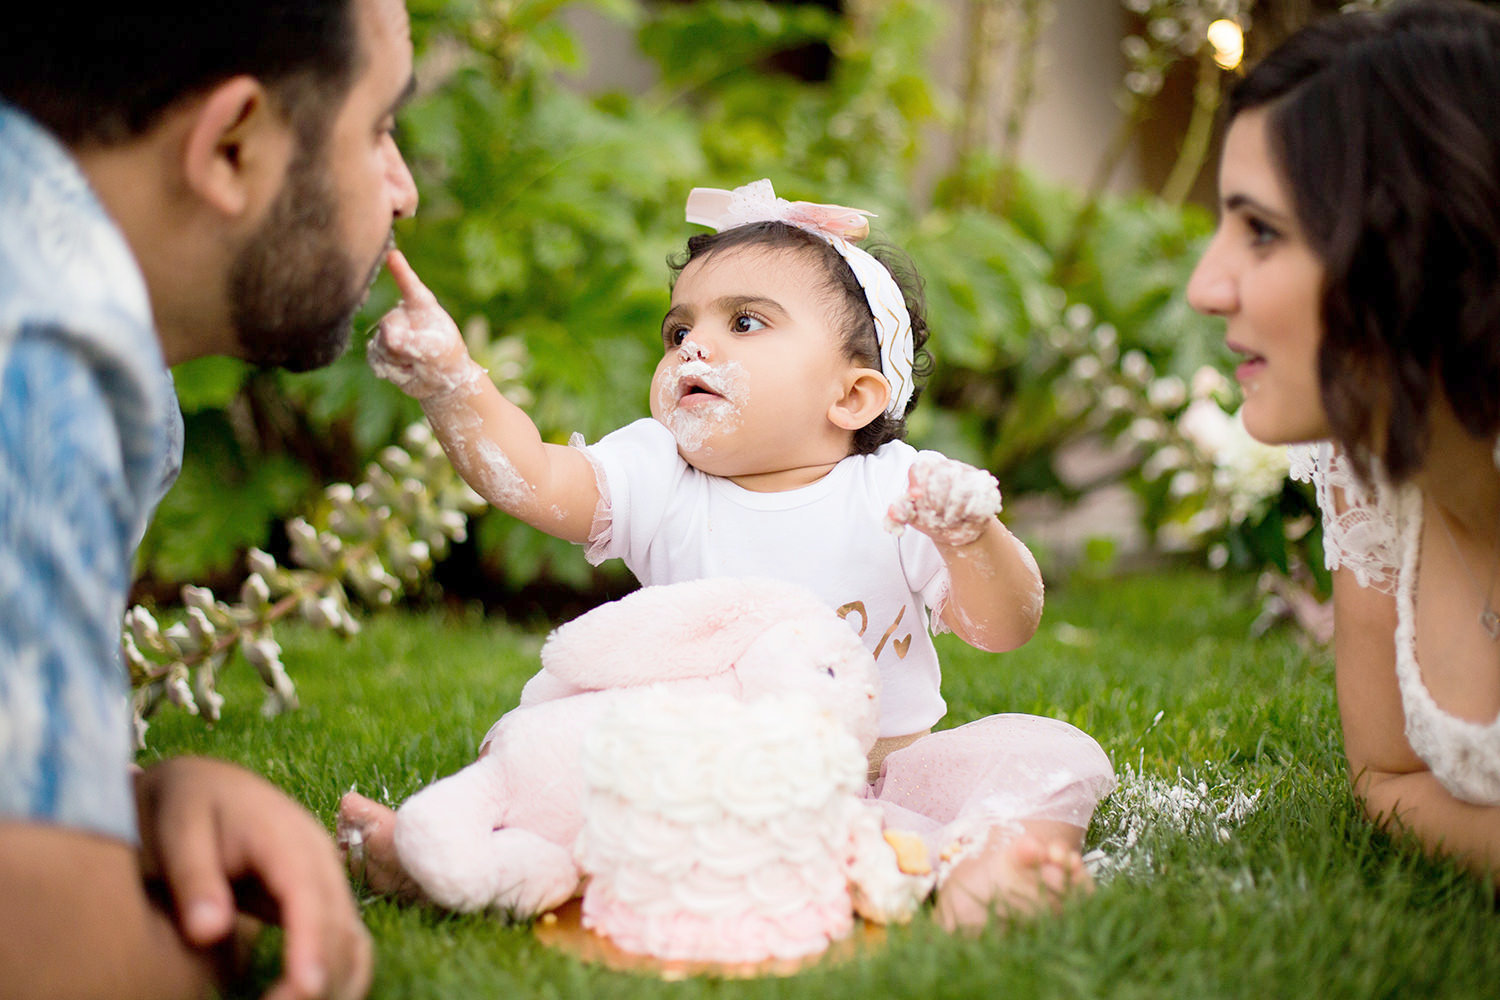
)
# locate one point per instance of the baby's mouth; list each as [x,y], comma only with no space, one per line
[690,389]
[697,384]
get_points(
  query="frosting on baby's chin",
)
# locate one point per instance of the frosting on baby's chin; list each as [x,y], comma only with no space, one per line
[693,425]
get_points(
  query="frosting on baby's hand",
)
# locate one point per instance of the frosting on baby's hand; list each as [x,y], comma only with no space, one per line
[417,347]
[947,500]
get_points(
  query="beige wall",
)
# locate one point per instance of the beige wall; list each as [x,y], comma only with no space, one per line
[1073,113]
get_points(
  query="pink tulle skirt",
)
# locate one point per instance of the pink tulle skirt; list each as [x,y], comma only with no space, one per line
[952,786]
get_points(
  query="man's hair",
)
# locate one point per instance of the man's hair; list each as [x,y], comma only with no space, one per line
[95,77]
[851,310]
[1383,127]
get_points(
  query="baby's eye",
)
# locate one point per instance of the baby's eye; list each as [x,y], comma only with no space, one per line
[746,323]
[674,336]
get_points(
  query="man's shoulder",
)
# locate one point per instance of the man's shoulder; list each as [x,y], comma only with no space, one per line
[64,264]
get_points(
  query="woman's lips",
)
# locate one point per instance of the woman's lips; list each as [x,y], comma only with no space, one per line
[1249,368]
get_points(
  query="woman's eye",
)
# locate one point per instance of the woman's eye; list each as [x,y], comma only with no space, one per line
[1260,233]
[745,323]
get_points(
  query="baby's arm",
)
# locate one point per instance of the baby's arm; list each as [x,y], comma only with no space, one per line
[494,445]
[995,589]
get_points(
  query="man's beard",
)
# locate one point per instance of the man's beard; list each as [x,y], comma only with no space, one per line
[294,288]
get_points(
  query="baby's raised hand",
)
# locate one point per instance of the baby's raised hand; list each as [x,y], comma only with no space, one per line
[947,500]
[417,346]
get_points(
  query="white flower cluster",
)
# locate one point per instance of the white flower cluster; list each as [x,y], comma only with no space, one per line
[378,537]
[1181,431]
[1233,475]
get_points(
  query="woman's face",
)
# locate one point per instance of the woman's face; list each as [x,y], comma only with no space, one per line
[1260,274]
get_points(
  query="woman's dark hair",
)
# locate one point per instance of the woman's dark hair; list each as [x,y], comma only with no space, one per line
[1384,127]
[851,308]
[95,76]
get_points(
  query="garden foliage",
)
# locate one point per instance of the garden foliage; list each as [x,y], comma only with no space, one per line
[548,215]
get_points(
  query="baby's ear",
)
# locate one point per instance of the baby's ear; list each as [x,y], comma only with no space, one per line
[866,393]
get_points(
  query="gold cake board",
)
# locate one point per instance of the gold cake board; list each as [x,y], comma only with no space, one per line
[563,929]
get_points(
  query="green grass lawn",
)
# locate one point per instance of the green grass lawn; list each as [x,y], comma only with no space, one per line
[1234,862]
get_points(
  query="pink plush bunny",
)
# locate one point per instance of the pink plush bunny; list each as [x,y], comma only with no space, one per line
[501,832]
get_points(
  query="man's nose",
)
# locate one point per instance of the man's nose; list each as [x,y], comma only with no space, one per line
[403,187]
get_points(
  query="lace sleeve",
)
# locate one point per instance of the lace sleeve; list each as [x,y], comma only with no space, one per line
[1360,528]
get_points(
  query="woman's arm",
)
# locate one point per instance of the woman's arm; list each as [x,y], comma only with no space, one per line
[1395,787]
[492,443]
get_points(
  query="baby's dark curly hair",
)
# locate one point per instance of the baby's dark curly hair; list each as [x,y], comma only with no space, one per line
[852,310]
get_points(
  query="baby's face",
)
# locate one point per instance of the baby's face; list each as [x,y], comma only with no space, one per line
[752,365]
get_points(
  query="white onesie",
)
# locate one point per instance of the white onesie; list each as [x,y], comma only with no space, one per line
[671,522]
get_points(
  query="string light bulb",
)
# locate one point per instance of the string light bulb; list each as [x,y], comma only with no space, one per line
[1228,43]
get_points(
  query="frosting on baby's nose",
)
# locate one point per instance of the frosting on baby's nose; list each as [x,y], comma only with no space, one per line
[691,350]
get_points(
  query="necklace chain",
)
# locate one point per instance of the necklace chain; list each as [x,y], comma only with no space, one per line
[1489,619]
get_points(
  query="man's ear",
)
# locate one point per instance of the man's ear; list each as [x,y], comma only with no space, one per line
[866,393]
[237,147]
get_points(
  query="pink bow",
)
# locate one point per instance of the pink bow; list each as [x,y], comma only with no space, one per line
[757,202]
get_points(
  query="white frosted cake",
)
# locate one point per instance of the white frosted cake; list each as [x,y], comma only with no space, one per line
[717,830]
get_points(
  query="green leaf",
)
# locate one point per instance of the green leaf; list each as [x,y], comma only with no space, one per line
[208,383]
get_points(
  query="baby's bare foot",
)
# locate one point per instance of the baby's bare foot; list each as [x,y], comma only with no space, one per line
[366,836]
[1011,877]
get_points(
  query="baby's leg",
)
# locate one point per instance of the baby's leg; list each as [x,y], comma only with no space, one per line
[1020,870]
[1013,794]
[366,836]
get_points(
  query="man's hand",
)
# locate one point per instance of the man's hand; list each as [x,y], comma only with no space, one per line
[947,500]
[226,841]
[417,346]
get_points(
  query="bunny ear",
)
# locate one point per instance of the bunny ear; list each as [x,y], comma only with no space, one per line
[697,628]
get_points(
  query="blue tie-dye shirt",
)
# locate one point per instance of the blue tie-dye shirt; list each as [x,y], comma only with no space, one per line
[89,440]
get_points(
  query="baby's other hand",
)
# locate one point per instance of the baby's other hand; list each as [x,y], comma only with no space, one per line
[417,346]
[947,500]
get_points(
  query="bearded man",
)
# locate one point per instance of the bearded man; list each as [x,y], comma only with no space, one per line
[201,179]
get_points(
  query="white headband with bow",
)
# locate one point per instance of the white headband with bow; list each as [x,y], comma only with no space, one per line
[838,226]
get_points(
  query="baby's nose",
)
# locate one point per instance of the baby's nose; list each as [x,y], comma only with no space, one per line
[691,350]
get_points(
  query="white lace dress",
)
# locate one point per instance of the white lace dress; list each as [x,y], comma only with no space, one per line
[1377,536]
